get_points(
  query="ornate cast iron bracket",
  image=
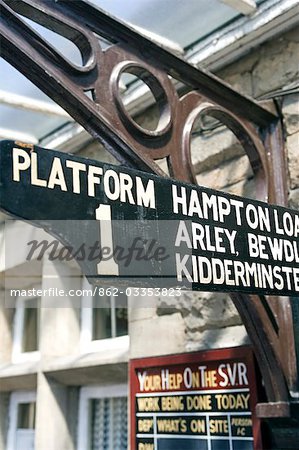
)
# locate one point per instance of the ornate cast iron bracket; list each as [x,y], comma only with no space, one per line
[268,320]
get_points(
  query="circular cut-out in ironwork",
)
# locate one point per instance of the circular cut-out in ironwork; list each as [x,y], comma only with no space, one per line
[251,145]
[219,160]
[123,75]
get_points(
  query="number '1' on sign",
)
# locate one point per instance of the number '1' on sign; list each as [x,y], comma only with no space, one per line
[107,266]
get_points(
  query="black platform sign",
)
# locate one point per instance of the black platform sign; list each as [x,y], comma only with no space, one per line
[200,401]
[127,227]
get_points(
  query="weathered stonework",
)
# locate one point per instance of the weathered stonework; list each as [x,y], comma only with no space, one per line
[290,111]
[292,145]
[294,199]
[269,67]
[218,338]
[157,336]
[227,174]
[213,148]
[95,151]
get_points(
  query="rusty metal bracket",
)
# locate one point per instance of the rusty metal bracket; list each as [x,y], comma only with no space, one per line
[104,116]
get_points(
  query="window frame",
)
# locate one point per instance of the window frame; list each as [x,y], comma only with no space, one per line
[88,393]
[87,343]
[17,354]
[16,398]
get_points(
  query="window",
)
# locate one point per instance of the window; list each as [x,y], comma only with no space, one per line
[26,330]
[21,430]
[109,317]
[104,320]
[103,418]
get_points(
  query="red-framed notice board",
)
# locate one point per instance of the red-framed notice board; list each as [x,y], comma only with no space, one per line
[195,401]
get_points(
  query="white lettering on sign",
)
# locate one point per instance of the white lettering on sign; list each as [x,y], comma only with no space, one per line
[212,239]
[266,247]
[93,179]
[287,225]
[258,217]
[117,186]
[226,375]
[76,169]
[34,174]
[21,162]
[56,177]
[233,374]
[203,270]
[204,206]
[107,266]
[204,237]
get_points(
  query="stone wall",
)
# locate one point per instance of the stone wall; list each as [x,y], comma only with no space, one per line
[267,68]
[290,111]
